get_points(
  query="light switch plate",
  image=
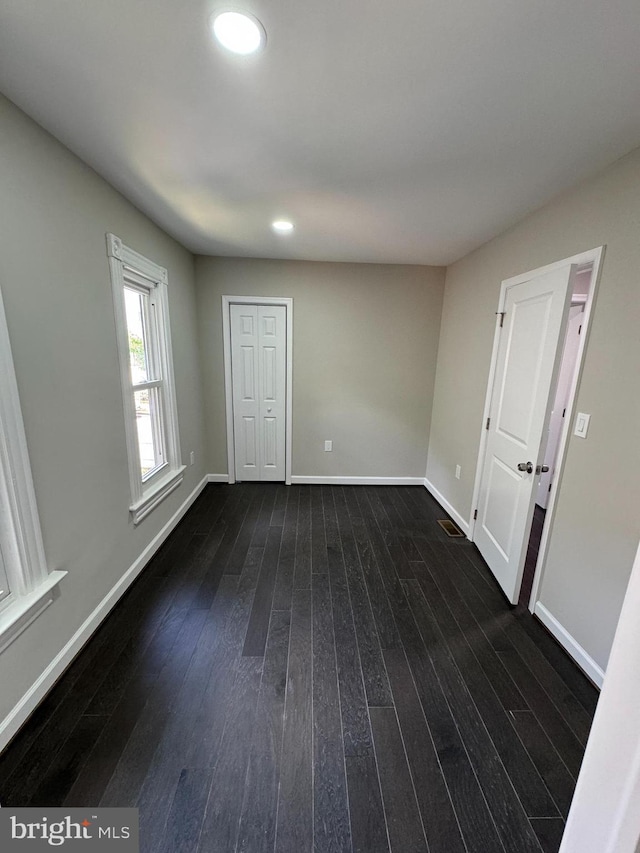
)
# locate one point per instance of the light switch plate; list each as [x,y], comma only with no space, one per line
[582,425]
[328,445]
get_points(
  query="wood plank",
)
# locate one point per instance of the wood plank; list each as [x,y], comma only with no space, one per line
[130,772]
[294,831]
[506,809]
[575,714]
[279,506]
[569,747]
[286,560]
[186,725]
[389,536]
[376,684]
[396,522]
[256,638]
[526,780]
[90,783]
[258,817]
[438,815]
[222,818]
[331,812]
[225,653]
[302,571]
[549,832]
[245,534]
[406,834]
[318,538]
[559,781]
[263,524]
[60,775]
[70,702]
[356,730]
[368,824]
[186,814]
[584,691]
[475,821]
[385,624]
[442,567]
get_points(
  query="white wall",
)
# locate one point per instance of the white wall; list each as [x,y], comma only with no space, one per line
[365,340]
[54,276]
[605,812]
[596,528]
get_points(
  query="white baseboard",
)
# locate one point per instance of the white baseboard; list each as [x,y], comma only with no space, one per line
[304,479]
[450,510]
[217,478]
[39,689]
[580,656]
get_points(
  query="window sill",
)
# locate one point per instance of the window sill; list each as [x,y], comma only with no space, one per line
[19,615]
[156,494]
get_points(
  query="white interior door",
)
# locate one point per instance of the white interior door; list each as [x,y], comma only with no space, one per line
[535,311]
[258,370]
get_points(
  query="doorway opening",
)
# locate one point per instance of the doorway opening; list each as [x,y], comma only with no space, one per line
[561,395]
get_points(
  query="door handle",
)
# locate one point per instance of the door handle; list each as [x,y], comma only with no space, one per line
[542,469]
[526,466]
[269,409]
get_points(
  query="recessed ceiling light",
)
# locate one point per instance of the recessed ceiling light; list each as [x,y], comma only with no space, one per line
[238,32]
[282,226]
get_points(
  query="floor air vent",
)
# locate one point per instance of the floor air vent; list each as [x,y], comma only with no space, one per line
[450,528]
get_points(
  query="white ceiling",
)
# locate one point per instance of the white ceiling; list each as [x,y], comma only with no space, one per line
[399,132]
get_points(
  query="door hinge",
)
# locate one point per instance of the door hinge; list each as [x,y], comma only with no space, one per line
[564,412]
[579,330]
[501,315]
[475,514]
[549,489]
[488,422]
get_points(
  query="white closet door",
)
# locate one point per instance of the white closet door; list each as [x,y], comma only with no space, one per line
[258,369]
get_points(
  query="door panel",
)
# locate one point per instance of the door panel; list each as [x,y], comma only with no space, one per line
[272,325]
[527,360]
[248,443]
[258,371]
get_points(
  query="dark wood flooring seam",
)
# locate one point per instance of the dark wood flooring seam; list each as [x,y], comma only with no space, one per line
[433,745]
[469,758]
[413,786]
[540,792]
[284,723]
[487,737]
[344,757]
[538,665]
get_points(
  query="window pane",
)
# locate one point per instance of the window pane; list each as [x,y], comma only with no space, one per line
[149,427]
[138,347]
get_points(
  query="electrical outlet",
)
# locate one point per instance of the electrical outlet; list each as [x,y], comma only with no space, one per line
[458,472]
[192,457]
[328,445]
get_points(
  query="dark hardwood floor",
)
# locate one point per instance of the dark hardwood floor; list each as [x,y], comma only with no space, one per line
[314,668]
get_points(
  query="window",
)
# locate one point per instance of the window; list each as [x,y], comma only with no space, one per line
[144,346]
[26,587]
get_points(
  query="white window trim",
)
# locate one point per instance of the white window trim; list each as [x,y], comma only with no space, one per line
[145,495]
[32,585]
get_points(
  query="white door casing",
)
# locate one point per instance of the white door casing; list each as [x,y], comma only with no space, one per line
[528,357]
[567,369]
[258,376]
